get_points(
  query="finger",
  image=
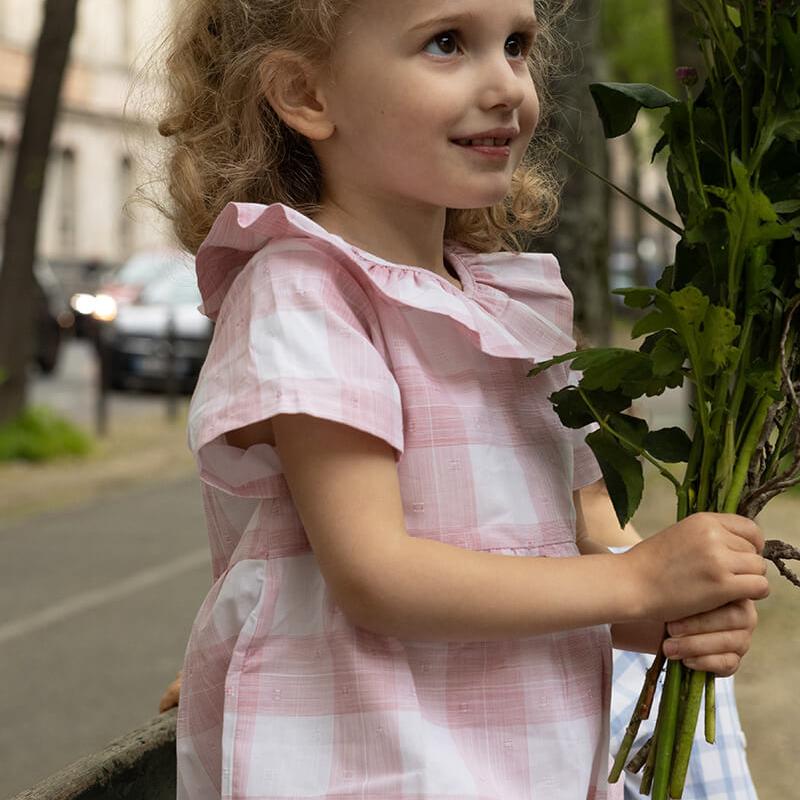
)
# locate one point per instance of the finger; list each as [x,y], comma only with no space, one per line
[747,586]
[740,614]
[722,665]
[707,644]
[748,564]
[744,528]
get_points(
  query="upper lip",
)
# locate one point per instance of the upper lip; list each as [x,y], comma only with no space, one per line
[495,133]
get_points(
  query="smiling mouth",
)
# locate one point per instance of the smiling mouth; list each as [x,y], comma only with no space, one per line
[483,142]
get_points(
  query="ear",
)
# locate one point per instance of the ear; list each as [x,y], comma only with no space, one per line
[291,86]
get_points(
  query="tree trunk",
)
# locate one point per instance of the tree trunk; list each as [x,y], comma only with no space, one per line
[581,240]
[17,323]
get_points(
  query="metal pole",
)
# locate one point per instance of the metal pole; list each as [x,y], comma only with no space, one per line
[172,375]
[103,379]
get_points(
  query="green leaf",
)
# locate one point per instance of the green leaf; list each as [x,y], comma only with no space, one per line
[615,369]
[650,323]
[786,206]
[622,473]
[671,445]
[573,412]
[633,429]
[544,365]
[636,297]
[788,127]
[668,354]
[750,216]
[571,408]
[619,104]
[691,304]
[716,339]
[763,380]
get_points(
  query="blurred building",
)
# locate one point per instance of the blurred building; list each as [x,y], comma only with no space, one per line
[102,142]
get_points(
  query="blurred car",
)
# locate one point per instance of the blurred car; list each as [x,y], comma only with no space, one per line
[82,301]
[54,318]
[137,341]
[123,285]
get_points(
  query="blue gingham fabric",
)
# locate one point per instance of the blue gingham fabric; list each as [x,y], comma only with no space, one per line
[716,772]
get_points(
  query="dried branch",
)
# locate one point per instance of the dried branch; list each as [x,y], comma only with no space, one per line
[775,551]
[755,500]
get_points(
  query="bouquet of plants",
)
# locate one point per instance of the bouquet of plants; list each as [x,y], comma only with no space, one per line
[724,317]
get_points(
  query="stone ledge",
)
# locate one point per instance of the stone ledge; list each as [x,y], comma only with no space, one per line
[137,766]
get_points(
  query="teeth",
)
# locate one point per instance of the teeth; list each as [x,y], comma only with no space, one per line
[483,142]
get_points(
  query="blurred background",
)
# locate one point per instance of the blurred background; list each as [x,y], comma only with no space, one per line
[103,555]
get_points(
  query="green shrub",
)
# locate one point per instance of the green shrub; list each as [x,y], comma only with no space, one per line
[39,434]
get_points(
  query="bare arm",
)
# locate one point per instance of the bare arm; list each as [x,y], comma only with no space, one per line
[714,641]
[597,529]
[345,487]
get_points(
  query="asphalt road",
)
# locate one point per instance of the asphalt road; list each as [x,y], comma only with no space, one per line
[96,603]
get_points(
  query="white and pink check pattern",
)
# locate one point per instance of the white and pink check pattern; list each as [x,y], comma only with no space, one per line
[282,696]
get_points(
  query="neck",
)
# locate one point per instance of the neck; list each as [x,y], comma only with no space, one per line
[402,233]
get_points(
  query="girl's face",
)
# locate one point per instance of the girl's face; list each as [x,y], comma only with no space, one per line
[432,100]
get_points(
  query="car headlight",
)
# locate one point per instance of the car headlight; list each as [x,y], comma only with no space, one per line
[83,303]
[105,308]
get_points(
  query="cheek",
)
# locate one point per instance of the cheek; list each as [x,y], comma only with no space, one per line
[529,112]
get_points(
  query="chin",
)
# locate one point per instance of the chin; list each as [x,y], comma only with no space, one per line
[485,201]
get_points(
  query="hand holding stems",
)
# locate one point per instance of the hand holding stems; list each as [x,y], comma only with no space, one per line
[713,564]
[702,563]
[713,641]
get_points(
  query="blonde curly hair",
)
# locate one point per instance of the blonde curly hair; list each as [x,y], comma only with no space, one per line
[226,143]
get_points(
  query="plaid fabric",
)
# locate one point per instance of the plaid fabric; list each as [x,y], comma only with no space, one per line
[716,772]
[282,697]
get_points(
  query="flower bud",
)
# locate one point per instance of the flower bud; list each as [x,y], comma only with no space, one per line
[687,75]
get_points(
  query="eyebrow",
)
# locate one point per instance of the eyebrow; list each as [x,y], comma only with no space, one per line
[524,23]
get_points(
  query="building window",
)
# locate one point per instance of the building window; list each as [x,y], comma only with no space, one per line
[126,189]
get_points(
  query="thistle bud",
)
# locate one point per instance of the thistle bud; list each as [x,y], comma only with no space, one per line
[687,75]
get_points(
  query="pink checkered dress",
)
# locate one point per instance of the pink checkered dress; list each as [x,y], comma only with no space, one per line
[282,696]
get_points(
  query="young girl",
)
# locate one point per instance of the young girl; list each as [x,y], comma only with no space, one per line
[401,605]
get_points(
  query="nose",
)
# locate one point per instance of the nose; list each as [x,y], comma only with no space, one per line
[503,84]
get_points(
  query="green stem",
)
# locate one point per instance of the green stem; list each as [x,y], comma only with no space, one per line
[687,494]
[774,461]
[711,446]
[747,27]
[766,94]
[650,763]
[711,708]
[642,711]
[638,450]
[746,456]
[720,37]
[691,709]
[652,212]
[666,737]
[695,159]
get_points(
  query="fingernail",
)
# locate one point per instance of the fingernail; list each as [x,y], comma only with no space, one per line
[675,628]
[670,648]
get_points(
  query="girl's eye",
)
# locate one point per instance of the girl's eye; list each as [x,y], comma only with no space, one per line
[443,44]
[518,45]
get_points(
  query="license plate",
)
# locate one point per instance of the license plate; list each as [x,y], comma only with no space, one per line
[156,365]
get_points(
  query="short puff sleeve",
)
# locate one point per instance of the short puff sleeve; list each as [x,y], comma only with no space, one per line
[296,334]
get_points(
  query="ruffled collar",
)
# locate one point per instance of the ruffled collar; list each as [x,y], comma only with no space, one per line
[513,305]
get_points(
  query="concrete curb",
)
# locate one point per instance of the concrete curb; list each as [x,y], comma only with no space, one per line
[137,766]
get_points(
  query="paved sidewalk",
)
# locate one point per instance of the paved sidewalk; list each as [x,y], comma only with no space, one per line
[96,603]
